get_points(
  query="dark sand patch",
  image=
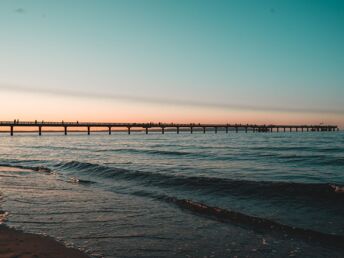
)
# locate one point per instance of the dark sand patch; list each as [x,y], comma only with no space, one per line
[15,243]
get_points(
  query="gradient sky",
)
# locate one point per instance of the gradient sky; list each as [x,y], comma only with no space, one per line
[187,61]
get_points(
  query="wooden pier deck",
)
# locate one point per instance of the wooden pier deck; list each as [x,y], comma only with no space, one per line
[177,127]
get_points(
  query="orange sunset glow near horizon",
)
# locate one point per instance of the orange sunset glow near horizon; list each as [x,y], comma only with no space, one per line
[35,106]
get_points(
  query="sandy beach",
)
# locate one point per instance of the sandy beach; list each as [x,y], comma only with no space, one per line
[15,243]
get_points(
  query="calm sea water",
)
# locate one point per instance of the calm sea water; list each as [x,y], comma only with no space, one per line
[186,195]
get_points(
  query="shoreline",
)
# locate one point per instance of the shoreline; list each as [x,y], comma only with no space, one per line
[15,243]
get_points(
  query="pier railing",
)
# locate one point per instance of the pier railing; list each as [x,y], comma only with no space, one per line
[170,126]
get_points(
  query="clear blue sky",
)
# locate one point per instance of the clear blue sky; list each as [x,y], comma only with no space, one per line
[284,54]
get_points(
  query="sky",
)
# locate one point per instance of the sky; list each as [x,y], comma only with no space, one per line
[173,61]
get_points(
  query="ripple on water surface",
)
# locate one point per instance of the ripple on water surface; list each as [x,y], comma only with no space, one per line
[187,195]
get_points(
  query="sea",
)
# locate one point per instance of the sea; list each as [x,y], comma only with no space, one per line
[178,195]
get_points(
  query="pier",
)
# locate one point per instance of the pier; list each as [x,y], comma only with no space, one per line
[162,127]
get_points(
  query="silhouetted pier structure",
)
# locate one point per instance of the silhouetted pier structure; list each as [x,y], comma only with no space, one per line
[168,126]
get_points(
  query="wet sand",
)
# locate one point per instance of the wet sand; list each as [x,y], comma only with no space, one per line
[15,243]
